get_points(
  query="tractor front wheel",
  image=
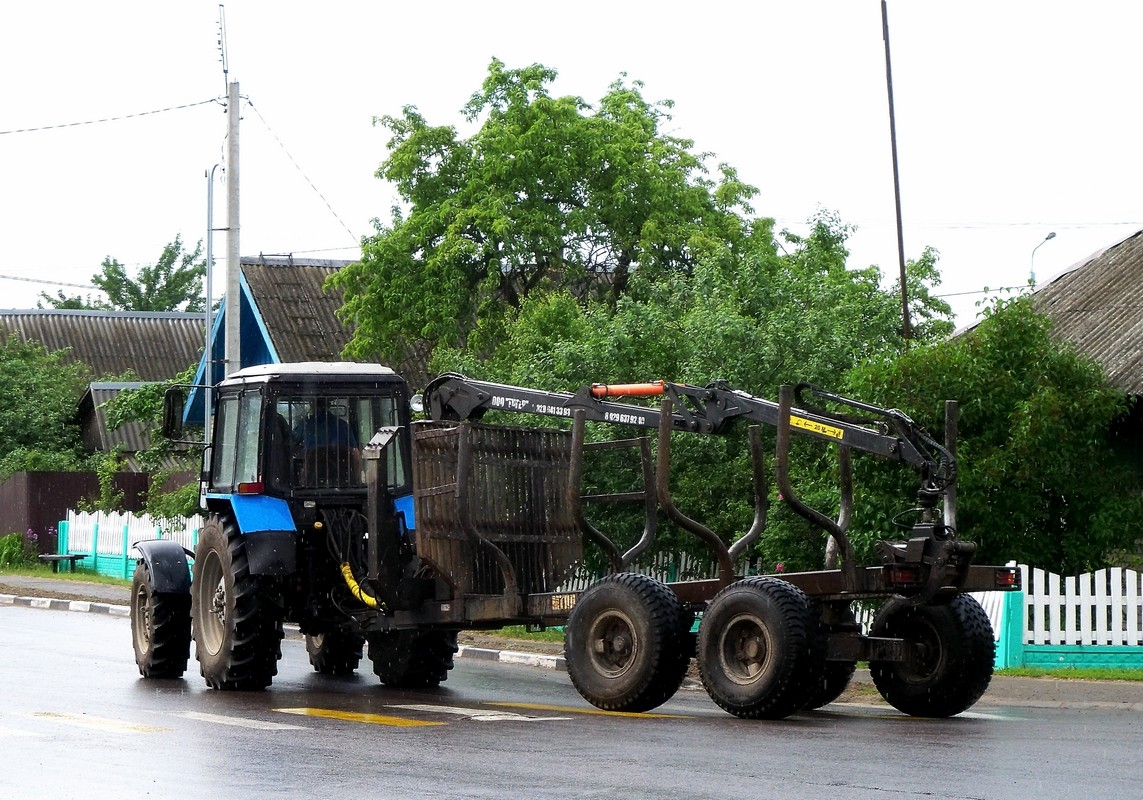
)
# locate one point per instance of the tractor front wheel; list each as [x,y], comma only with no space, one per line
[160,628]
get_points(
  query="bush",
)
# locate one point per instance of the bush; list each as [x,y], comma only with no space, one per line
[18,550]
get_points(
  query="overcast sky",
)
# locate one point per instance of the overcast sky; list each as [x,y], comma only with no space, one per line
[1014,119]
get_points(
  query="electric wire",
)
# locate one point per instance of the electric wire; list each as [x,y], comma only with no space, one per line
[110,119]
[301,172]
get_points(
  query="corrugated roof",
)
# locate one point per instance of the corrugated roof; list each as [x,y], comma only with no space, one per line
[132,436]
[1098,305]
[301,318]
[155,345]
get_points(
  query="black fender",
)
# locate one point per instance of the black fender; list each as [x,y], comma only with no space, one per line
[167,566]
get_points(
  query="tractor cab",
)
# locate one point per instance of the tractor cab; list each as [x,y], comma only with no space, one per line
[297,432]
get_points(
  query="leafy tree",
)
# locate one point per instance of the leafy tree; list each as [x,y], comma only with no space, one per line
[173,283]
[757,318]
[37,418]
[548,193]
[1039,478]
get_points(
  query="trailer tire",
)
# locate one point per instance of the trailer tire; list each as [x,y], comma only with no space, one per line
[335,652]
[627,645]
[830,683]
[237,625]
[950,660]
[829,679]
[412,659]
[756,648]
[160,628]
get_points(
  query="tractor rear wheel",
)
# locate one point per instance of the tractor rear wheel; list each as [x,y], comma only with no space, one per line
[756,648]
[160,628]
[950,656]
[412,659]
[335,653]
[237,627]
[627,643]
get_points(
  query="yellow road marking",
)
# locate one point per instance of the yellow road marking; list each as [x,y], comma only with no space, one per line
[356,716]
[598,711]
[99,723]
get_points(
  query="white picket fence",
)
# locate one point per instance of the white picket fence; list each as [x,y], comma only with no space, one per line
[104,534]
[1097,608]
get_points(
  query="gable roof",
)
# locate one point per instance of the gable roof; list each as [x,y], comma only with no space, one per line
[299,317]
[1097,304]
[155,345]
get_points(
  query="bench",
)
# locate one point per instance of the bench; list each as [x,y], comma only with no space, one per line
[56,558]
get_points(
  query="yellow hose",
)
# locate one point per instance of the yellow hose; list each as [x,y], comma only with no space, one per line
[355,587]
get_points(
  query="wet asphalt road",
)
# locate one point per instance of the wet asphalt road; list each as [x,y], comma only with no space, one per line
[76,721]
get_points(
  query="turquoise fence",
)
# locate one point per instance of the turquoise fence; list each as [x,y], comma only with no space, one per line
[1094,620]
[106,540]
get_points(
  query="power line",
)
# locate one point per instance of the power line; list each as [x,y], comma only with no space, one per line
[299,169]
[109,119]
[88,286]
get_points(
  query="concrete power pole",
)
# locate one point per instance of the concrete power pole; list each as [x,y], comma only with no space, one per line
[233,249]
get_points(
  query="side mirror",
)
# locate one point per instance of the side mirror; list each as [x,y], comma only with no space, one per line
[174,401]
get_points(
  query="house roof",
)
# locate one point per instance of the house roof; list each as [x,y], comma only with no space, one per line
[1097,304]
[155,345]
[300,317]
[132,437]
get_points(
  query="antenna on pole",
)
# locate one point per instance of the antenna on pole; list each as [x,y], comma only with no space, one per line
[222,43]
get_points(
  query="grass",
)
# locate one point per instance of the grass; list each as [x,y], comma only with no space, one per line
[520,632]
[1075,673]
[44,571]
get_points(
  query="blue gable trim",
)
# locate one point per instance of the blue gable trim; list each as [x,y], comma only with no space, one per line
[254,340]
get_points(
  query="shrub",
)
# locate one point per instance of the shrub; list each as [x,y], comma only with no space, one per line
[18,550]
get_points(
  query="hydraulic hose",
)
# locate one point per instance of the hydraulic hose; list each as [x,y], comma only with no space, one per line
[355,588]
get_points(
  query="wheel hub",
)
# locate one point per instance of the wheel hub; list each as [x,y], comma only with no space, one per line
[613,643]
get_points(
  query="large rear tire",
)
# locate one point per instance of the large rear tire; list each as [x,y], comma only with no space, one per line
[627,643]
[757,648]
[237,627]
[160,628]
[412,659]
[335,653]
[950,656]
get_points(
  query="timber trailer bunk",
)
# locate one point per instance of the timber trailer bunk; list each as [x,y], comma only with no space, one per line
[448,524]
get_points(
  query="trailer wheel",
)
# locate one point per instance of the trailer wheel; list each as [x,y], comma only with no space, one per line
[412,659]
[951,652]
[627,643]
[756,648]
[829,678]
[334,653]
[237,628]
[160,628]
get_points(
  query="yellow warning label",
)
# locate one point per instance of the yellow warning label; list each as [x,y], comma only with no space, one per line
[817,427]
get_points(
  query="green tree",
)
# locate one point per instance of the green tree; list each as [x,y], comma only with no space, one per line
[549,192]
[173,283]
[38,429]
[1039,478]
[758,317]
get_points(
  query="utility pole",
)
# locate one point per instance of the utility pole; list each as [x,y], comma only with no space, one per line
[906,326]
[233,250]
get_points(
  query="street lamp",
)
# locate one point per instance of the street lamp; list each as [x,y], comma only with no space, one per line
[1032,269]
